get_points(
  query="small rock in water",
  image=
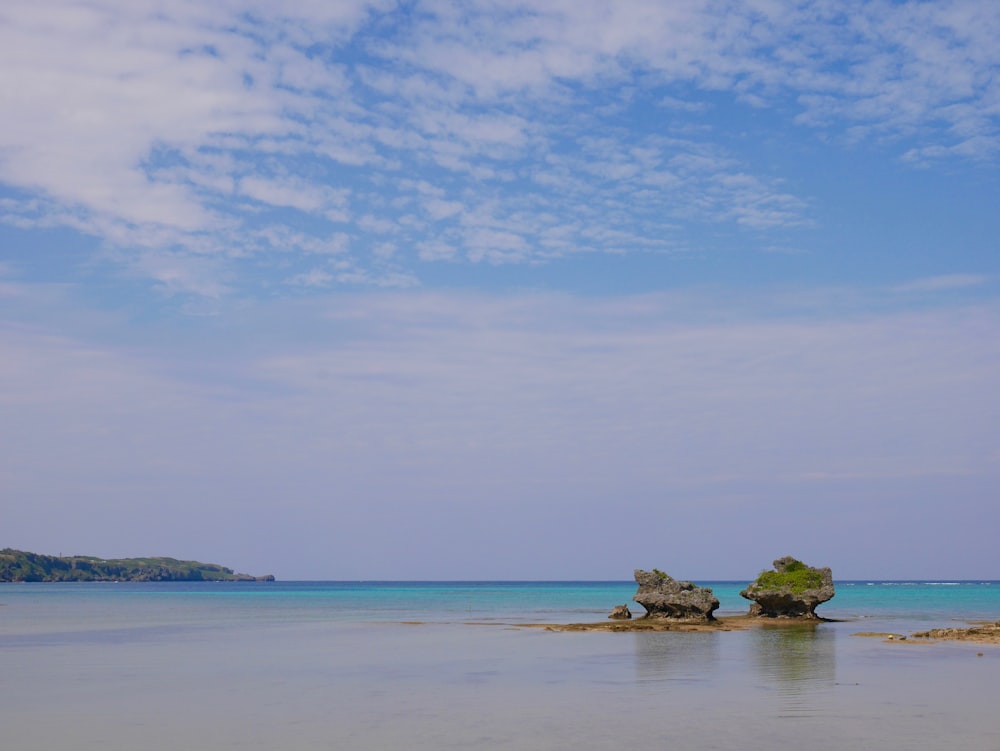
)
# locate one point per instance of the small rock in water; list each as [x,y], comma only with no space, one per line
[621,613]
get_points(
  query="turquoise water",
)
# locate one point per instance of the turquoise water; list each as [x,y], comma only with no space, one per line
[555,602]
[317,665]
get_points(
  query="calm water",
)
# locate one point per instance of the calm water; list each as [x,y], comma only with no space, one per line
[449,665]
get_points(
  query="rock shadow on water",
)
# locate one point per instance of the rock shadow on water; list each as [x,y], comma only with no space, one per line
[797,663]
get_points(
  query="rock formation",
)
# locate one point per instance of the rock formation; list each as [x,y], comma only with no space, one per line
[791,590]
[665,597]
[621,613]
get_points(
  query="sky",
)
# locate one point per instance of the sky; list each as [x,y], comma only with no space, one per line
[502,290]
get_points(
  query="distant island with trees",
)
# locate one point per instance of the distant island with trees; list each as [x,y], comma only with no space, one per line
[20,566]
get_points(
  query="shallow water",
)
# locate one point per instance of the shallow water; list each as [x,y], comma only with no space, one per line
[329,666]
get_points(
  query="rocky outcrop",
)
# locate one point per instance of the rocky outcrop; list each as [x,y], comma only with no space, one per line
[985,633]
[621,613]
[665,597]
[791,590]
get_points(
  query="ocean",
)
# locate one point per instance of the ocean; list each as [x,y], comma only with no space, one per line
[455,665]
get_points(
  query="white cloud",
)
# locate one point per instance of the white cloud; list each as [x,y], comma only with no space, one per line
[176,128]
[283,239]
[312,278]
[181,274]
[671,102]
[296,194]
[439,209]
[436,251]
[495,246]
[896,67]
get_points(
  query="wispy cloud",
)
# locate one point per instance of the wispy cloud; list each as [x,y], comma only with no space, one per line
[521,407]
[312,278]
[194,129]
[944,282]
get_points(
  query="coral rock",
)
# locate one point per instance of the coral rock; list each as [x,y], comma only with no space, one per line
[665,597]
[621,613]
[791,590]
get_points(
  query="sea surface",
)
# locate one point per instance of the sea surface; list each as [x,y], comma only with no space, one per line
[457,665]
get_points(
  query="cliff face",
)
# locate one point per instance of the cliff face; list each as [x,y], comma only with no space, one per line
[20,566]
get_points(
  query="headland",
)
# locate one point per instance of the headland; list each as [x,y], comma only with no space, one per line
[20,566]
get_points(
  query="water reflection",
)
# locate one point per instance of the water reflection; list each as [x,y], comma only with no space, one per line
[676,657]
[798,663]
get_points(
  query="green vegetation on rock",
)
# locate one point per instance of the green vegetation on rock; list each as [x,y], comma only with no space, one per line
[797,577]
[19,566]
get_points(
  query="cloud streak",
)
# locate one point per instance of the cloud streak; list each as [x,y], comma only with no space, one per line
[341,419]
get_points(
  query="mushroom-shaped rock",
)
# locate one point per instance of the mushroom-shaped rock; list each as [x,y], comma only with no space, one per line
[791,590]
[621,613]
[665,597]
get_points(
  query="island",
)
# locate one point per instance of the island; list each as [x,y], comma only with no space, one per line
[20,566]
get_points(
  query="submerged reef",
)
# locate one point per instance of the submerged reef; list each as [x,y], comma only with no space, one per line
[985,633]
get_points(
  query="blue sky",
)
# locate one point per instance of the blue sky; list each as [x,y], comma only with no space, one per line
[502,290]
